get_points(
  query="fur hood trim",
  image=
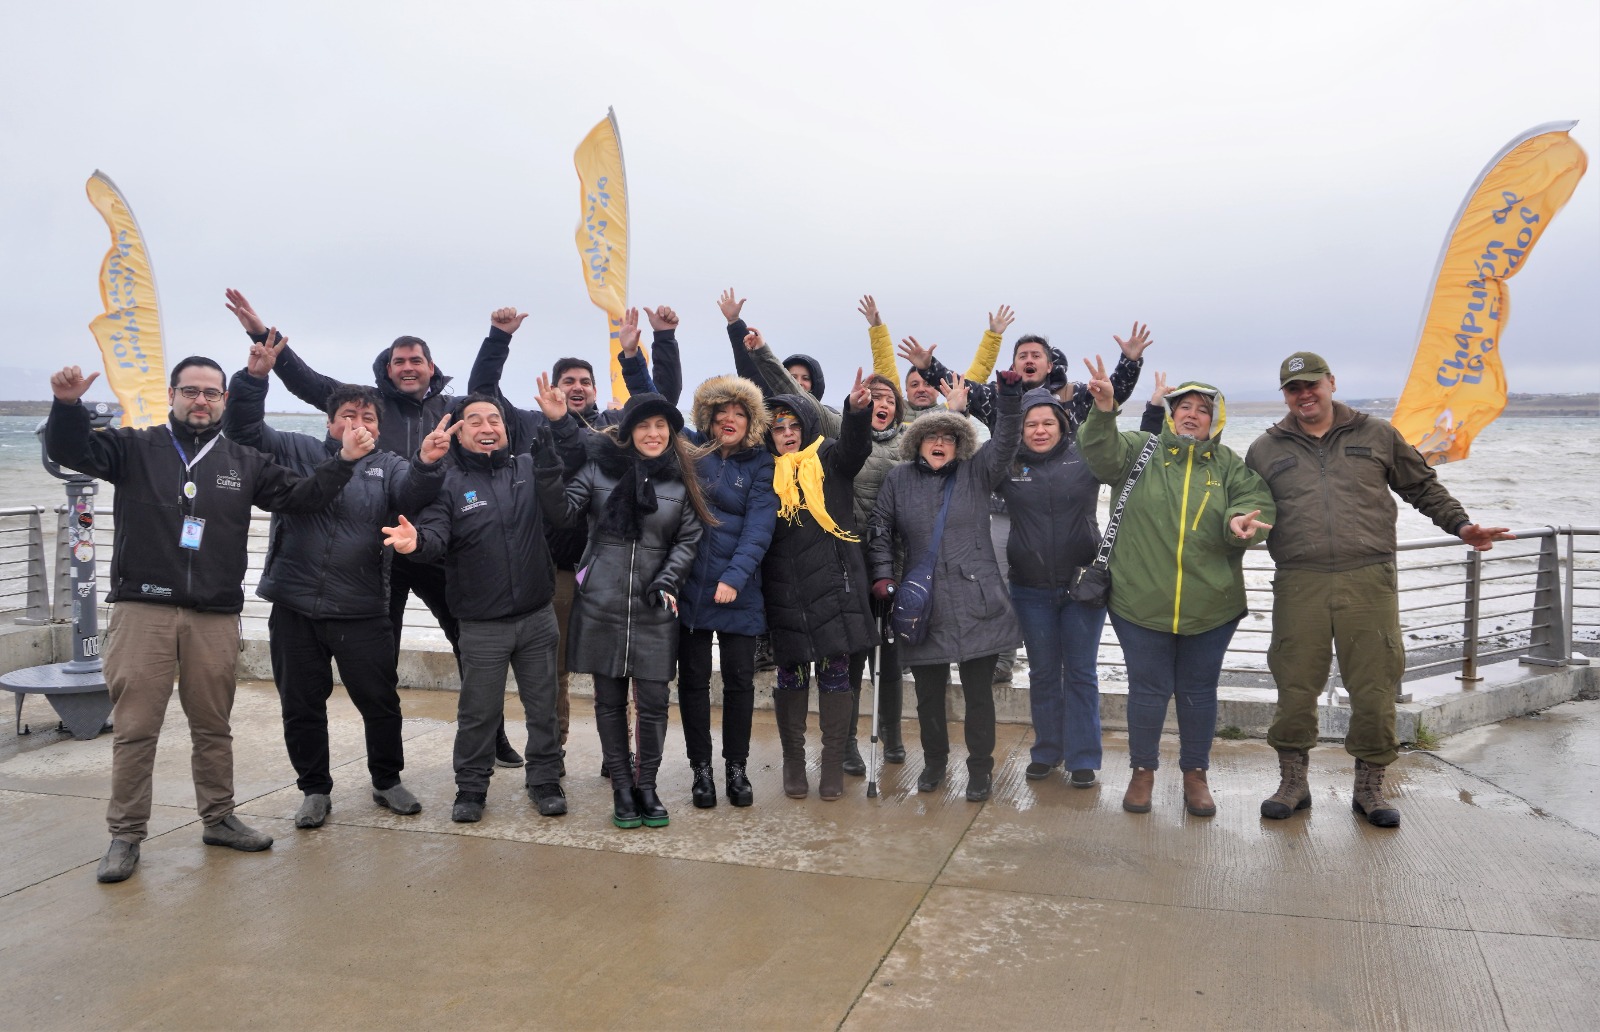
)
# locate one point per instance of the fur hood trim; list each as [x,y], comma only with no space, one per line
[723,390]
[952,423]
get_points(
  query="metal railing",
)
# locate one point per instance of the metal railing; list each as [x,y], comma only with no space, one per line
[24,582]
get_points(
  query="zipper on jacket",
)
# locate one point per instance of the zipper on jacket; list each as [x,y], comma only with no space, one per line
[627,634]
[1177,595]
[1200,511]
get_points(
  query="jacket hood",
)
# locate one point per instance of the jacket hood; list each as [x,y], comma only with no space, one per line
[810,422]
[1043,396]
[954,424]
[724,390]
[815,367]
[380,376]
[1219,405]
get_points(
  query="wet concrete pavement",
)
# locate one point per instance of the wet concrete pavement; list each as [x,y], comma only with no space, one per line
[1044,907]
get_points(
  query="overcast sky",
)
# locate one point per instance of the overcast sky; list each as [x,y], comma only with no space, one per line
[1249,179]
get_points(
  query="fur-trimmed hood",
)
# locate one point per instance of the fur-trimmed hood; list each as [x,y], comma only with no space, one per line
[952,423]
[723,390]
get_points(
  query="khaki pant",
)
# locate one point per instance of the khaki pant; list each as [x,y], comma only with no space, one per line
[1356,614]
[144,645]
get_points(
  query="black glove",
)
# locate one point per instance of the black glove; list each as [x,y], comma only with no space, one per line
[1010,382]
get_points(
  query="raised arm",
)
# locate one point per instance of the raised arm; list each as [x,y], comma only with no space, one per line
[280,489]
[996,453]
[667,371]
[731,305]
[1123,379]
[988,352]
[855,430]
[67,435]
[878,340]
[244,420]
[774,379]
[1110,454]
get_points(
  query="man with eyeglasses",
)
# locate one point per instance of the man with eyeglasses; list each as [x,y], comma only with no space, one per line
[182,513]
[1331,471]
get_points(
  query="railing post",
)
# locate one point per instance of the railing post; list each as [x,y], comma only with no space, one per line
[1547,643]
[61,612]
[38,610]
[1567,612]
[1469,649]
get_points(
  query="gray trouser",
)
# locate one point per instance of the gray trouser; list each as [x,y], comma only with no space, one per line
[527,645]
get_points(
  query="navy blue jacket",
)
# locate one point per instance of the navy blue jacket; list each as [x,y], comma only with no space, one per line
[739,491]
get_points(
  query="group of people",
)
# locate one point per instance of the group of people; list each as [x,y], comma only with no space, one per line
[624,543]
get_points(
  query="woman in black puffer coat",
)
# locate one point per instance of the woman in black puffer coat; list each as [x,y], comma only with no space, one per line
[646,517]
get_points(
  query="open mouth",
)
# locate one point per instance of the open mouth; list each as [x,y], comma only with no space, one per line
[487,440]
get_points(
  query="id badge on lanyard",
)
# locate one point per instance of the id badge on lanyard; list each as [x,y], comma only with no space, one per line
[194,528]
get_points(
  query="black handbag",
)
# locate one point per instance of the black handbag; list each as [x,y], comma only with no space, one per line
[1091,585]
[913,599]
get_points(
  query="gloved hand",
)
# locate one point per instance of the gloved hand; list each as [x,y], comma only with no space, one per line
[882,589]
[1010,381]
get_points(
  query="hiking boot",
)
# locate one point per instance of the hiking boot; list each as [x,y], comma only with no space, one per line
[704,791]
[1137,798]
[118,863]
[790,709]
[313,810]
[1197,794]
[236,834]
[468,808]
[624,811]
[645,800]
[397,798]
[928,780]
[504,755]
[549,798]
[1083,778]
[978,787]
[1368,799]
[1294,792]
[835,719]
[1038,771]
[739,791]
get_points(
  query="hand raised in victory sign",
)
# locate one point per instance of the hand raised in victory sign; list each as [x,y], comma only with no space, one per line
[860,393]
[437,444]
[358,442]
[628,338]
[1245,525]
[954,389]
[244,313]
[1159,395]
[551,401]
[402,538]
[730,307]
[662,318]
[753,340]
[915,353]
[1100,385]
[1138,340]
[1001,319]
[507,320]
[70,384]
[265,355]
[869,308]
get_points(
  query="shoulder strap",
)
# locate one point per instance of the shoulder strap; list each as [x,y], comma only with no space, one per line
[1102,558]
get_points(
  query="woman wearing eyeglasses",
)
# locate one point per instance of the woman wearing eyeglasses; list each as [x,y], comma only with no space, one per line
[970,621]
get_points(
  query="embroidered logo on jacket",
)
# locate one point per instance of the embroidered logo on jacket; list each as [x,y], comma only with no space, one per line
[473,501]
[230,480]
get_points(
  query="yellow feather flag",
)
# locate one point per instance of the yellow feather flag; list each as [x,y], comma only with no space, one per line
[603,232]
[129,331]
[1457,384]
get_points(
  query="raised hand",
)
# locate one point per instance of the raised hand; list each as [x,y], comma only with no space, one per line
[1159,395]
[753,340]
[1001,318]
[70,384]
[358,442]
[264,356]
[662,318]
[629,337]
[437,444]
[730,307]
[1245,525]
[1138,340]
[869,308]
[507,320]
[1100,385]
[724,594]
[954,390]
[915,353]
[551,401]
[1483,538]
[402,539]
[242,311]
[860,393]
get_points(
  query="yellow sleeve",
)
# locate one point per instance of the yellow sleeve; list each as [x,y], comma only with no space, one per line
[883,352]
[983,362]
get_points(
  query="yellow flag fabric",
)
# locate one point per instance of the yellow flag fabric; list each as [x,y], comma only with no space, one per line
[1457,384]
[603,232]
[129,331]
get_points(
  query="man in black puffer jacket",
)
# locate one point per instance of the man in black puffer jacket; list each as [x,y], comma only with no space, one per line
[327,576]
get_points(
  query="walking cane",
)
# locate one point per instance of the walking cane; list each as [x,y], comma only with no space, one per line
[877,684]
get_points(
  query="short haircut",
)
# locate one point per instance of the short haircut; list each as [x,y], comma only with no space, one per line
[564,364]
[459,409]
[409,342]
[1032,338]
[345,393]
[919,374]
[196,360]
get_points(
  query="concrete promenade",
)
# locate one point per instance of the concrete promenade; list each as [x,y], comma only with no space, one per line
[1046,907]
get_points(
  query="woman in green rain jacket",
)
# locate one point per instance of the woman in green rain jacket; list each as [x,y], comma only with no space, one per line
[1177,585]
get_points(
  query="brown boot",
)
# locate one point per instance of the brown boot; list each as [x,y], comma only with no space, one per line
[1197,794]
[1368,798]
[790,708]
[1294,793]
[836,712]
[1137,798]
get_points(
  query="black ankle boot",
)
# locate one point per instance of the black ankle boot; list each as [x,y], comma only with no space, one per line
[739,791]
[624,812]
[649,806]
[705,786]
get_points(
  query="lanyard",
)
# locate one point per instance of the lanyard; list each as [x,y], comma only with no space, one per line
[189,464]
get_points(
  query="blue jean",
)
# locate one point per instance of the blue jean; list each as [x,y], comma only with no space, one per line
[1063,639]
[1162,665]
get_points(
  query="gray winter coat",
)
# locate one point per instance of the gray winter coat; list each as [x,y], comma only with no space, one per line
[972,614]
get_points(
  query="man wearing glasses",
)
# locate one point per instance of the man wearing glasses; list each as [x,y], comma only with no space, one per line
[182,513]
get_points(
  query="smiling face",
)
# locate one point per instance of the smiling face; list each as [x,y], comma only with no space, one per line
[883,406]
[729,424]
[786,432]
[1032,361]
[651,436]
[409,369]
[1041,431]
[482,429]
[937,449]
[1191,416]
[198,413]
[353,413]
[577,385]
[1311,401]
[920,394]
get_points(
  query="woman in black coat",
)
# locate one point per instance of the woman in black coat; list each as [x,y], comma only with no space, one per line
[646,516]
[815,581]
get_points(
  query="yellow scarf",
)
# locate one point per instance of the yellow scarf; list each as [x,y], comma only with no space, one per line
[797,479]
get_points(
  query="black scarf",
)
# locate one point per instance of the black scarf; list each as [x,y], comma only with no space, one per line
[634,497]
